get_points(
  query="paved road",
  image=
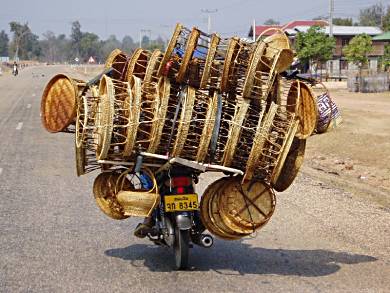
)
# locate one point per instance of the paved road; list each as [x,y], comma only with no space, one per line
[55,239]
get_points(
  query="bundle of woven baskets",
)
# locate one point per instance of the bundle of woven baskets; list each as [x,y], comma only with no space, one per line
[206,99]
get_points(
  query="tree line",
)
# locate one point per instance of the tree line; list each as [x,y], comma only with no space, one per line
[375,15]
[52,48]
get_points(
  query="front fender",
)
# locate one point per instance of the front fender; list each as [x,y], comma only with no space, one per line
[183,221]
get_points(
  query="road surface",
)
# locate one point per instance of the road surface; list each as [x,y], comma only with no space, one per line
[55,239]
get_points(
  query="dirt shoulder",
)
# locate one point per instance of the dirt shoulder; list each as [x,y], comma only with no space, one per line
[355,156]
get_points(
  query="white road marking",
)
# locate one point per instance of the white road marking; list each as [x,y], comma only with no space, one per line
[1,170]
[28,106]
[20,125]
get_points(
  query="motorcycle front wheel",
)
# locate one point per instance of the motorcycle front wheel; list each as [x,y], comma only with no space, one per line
[181,248]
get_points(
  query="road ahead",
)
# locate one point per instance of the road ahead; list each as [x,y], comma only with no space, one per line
[55,239]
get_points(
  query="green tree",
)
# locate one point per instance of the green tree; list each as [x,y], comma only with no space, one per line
[371,16]
[314,46]
[386,20]
[109,45]
[128,44]
[75,37]
[343,21]
[89,45]
[4,43]
[271,21]
[358,49]
[386,57]
[20,35]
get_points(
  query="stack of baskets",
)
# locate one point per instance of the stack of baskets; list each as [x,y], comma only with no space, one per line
[206,99]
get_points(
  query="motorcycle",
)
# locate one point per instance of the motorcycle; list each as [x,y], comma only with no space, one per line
[176,221]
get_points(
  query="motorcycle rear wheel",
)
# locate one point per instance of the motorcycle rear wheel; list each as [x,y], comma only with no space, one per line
[181,248]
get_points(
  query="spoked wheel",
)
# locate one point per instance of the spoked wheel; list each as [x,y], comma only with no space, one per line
[181,248]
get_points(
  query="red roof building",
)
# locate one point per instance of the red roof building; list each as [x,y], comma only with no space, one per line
[267,30]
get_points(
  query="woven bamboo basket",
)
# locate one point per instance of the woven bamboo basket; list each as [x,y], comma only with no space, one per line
[291,166]
[184,120]
[151,73]
[87,111]
[85,138]
[138,64]
[245,138]
[59,102]
[231,54]
[118,61]
[105,194]
[169,115]
[196,125]
[137,202]
[181,42]
[328,113]
[235,130]
[278,53]
[207,215]
[148,119]
[113,127]
[227,109]
[257,81]
[267,151]
[307,108]
[239,68]
[219,58]
[194,59]
[245,208]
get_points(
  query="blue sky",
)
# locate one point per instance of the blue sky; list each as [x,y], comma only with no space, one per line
[129,17]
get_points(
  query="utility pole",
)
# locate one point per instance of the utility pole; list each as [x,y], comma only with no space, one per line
[209,12]
[331,11]
[254,31]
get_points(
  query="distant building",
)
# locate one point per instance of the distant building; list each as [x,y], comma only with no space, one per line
[267,30]
[343,35]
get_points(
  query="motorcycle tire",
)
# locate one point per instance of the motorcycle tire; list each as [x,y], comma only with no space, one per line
[181,248]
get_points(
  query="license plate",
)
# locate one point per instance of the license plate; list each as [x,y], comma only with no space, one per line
[182,202]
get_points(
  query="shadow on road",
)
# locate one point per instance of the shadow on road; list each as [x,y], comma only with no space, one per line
[239,258]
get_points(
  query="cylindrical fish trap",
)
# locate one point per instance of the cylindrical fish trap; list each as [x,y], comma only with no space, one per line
[266,156]
[59,103]
[116,97]
[151,73]
[138,64]
[85,141]
[227,109]
[195,56]
[85,160]
[237,72]
[226,84]
[176,49]
[149,107]
[118,61]
[169,114]
[238,155]
[259,76]
[196,126]
[86,126]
